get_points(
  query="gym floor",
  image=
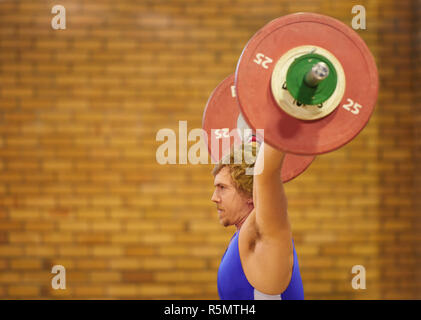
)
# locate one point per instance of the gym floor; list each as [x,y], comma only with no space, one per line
[80,185]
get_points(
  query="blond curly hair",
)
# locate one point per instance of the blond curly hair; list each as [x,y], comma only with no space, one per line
[240,162]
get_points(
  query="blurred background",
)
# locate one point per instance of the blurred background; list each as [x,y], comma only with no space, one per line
[80,185]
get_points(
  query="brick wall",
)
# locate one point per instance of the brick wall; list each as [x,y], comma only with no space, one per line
[398,262]
[416,8]
[80,185]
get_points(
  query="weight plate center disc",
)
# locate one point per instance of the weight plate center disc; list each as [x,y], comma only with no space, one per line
[290,104]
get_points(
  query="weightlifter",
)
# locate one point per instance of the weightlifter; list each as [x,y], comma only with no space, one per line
[290,82]
[260,262]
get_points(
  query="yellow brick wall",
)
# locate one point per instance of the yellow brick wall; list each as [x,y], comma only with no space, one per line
[416,98]
[80,185]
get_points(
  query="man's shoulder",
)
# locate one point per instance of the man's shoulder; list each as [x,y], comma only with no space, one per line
[255,247]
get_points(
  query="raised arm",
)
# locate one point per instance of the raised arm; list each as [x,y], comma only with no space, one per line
[269,266]
[268,194]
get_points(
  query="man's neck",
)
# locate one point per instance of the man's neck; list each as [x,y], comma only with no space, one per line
[241,222]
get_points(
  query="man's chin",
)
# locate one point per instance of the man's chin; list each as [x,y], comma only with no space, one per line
[224,222]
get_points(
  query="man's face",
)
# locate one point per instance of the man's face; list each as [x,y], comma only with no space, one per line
[232,206]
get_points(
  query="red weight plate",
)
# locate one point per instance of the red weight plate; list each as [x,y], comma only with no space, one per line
[220,118]
[253,83]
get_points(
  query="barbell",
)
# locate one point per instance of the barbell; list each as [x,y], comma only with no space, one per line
[308,80]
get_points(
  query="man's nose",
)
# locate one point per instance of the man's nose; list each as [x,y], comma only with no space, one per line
[215,197]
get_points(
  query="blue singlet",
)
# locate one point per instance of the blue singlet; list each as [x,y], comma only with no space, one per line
[233,284]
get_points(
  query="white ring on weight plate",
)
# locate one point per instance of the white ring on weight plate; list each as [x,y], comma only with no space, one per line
[286,101]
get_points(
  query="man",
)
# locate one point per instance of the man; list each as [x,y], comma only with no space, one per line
[260,261]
